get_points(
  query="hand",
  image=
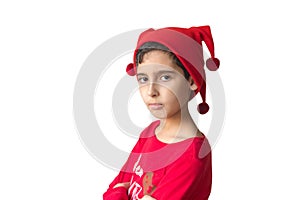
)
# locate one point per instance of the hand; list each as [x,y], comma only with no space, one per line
[147,197]
[125,185]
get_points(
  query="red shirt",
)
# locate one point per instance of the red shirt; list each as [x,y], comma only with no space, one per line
[180,170]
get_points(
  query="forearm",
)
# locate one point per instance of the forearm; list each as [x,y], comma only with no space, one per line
[125,185]
[147,197]
[118,192]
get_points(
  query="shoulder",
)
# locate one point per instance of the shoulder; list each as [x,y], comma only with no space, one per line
[200,148]
[197,151]
[196,159]
[191,152]
[144,137]
[149,130]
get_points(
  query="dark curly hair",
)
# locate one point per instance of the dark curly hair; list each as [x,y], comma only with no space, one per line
[151,46]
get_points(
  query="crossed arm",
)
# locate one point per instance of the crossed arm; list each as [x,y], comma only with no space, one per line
[126,186]
[179,182]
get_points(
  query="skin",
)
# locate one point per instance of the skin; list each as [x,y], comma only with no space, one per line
[127,184]
[166,93]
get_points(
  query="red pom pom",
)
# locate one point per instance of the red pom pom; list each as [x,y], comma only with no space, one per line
[203,108]
[130,69]
[213,64]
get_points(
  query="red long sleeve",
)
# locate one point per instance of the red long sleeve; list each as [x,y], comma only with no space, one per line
[125,175]
[119,193]
[165,171]
[188,178]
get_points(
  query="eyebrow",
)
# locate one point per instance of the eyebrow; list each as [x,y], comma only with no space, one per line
[159,72]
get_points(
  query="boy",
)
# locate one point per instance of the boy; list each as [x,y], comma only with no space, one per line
[168,160]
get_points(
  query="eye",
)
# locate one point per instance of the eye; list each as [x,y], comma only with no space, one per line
[165,78]
[142,79]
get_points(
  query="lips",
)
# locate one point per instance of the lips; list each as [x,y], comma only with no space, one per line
[155,106]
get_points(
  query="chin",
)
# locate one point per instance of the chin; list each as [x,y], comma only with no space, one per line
[162,115]
[159,114]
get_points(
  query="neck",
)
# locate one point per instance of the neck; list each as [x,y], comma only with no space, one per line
[174,121]
[179,126]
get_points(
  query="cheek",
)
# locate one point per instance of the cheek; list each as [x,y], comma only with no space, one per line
[180,92]
[143,92]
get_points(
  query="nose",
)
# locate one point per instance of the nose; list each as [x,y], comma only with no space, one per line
[152,90]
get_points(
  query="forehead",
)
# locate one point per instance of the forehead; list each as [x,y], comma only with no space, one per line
[155,61]
[154,68]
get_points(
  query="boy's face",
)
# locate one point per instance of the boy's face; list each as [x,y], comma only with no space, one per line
[162,85]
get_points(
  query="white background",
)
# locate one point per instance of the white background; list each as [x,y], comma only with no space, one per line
[43,45]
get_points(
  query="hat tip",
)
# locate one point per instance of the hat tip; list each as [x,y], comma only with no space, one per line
[213,64]
[203,108]
[130,69]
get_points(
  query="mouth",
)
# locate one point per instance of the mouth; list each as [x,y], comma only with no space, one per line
[155,106]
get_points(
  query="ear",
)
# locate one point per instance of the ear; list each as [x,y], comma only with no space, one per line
[192,83]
